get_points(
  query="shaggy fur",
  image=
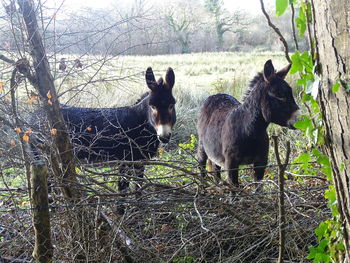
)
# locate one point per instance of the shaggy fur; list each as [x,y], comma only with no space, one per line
[231,133]
[126,133]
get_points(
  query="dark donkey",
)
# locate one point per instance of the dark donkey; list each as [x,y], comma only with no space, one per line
[128,133]
[231,133]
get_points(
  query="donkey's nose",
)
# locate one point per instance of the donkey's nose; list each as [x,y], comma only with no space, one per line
[293,119]
[164,132]
[164,139]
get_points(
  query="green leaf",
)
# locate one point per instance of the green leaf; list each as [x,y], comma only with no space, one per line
[340,246]
[336,87]
[303,158]
[321,230]
[301,23]
[304,124]
[323,244]
[281,6]
[312,254]
[331,195]
[297,65]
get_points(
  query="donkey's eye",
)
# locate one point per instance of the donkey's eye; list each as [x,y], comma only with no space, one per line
[281,99]
[171,106]
[277,98]
[153,108]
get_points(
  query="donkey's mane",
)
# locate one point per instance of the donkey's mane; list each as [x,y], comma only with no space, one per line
[144,95]
[255,82]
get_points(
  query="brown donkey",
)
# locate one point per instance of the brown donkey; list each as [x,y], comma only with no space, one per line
[231,133]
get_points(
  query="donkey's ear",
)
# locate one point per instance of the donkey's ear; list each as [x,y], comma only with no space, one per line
[150,79]
[170,77]
[283,72]
[269,71]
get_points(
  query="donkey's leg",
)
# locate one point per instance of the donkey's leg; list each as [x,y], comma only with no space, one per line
[232,171]
[139,171]
[123,186]
[216,169]
[123,183]
[202,159]
[218,172]
[259,171]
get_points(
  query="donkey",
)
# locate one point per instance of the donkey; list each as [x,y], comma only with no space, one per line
[231,133]
[130,133]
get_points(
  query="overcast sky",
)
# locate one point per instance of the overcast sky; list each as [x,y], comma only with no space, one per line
[248,5]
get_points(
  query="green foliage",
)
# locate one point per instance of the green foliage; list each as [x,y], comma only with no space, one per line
[281,6]
[329,232]
[191,145]
[336,87]
[329,235]
[301,22]
[185,259]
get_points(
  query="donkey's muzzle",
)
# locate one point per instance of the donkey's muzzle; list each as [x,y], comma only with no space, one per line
[164,139]
[293,119]
[164,132]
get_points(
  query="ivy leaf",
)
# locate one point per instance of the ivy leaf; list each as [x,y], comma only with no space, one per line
[312,254]
[304,124]
[336,87]
[281,6]
[321,230]
[301,22]
[297,65]
[340,246]
[303,158]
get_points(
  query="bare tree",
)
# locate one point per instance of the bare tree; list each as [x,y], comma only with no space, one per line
[224,22]
[182,18]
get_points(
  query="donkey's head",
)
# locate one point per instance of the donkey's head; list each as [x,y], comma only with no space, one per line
[161,103]
[278,105]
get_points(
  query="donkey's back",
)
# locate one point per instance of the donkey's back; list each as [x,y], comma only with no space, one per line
[110,133]
[215,109]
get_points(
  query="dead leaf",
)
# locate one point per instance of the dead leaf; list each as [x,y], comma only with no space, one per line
[53,131]
[159,247]
[18,130]
[25,138]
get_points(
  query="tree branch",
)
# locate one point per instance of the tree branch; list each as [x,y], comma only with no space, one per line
[6,59]
[281,207]
[276,29]
[293,26]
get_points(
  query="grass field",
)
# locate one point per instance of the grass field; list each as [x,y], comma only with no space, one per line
[120,81]
[199,74]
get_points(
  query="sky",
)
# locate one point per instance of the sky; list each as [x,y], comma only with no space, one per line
[248,5]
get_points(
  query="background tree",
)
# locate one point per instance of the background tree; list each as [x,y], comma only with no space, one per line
[182,18]
[224,21]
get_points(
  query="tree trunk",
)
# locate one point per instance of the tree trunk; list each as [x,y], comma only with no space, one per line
[43,250]
[332,23]
[44,83]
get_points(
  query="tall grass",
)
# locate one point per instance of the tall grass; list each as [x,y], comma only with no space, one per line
[120,81]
